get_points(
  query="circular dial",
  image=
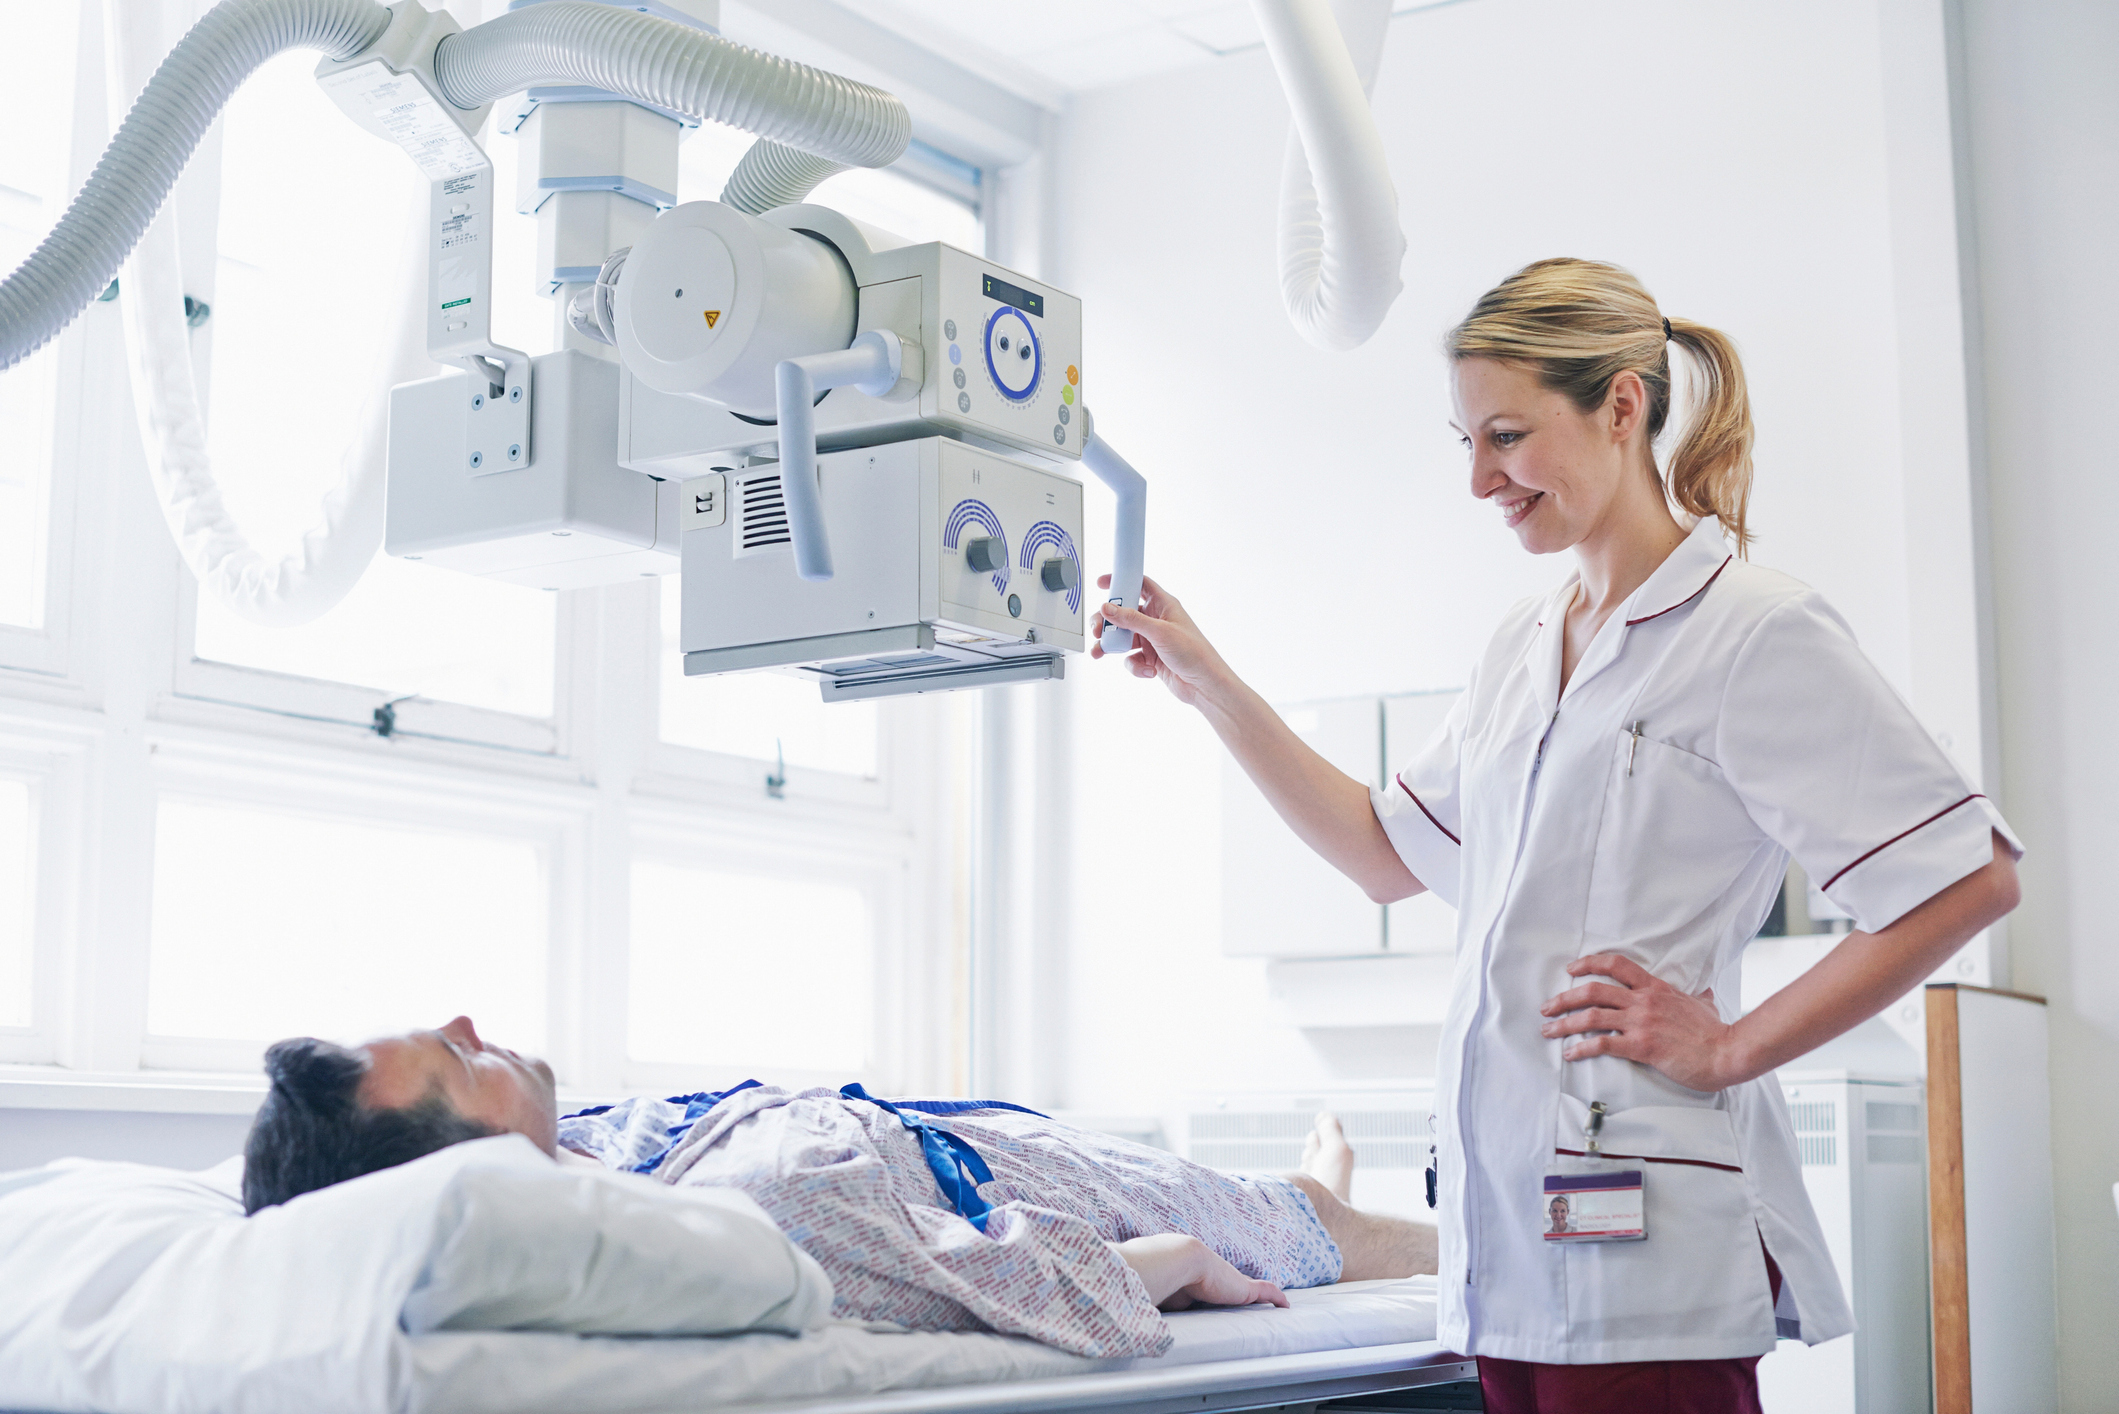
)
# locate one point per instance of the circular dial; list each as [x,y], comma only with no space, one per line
[1013,358]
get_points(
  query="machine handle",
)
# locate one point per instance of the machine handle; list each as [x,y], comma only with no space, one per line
[871,364]
[1129,552]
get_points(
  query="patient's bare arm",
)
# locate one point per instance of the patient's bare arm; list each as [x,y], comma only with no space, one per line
[1181,1271]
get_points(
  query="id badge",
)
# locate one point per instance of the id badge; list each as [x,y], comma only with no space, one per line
[1599,1202]
[1603,1206]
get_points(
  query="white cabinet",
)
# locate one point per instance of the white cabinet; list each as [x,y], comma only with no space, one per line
[1278,898]
[1863,1151]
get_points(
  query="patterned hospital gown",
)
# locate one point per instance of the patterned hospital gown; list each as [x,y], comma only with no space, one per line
[848,1182]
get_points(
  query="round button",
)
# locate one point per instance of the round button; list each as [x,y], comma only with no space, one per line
[1012,358]
[1074,375]
[949,330]
[959,377]
[963,402]
[1063,417]
[1059,435]
[1015,606]
[1067,395]
[956,355]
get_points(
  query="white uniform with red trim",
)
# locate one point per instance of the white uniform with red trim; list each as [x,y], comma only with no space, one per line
[1556,832]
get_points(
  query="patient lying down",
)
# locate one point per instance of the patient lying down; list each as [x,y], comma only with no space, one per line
[935,1215]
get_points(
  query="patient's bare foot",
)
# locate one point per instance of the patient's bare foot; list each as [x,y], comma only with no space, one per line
[1328,1158]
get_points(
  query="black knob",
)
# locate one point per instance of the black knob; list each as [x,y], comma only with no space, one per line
[1059,575]
[986,554]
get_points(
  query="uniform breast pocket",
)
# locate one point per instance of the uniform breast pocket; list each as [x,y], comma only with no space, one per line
[1674,837]
[1701,1271]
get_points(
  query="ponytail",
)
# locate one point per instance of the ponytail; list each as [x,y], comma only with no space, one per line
[1578,324]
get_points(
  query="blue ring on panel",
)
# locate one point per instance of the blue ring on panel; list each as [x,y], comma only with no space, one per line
[1046,533]
[1037,351]
[973,511]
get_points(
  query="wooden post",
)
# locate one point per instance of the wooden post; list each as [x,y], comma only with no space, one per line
[1947,1285]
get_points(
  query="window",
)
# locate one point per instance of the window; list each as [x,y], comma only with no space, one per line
[763,716]
[34,188]
[304,312]
[749,969]
[17,870]
[269,923]
[209,836]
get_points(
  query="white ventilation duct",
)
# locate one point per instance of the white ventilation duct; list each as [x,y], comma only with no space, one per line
[1340,245]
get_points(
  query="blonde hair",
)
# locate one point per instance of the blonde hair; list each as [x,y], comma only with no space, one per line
[1578,324]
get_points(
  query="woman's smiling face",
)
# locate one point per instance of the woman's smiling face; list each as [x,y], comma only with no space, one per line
[1550,469]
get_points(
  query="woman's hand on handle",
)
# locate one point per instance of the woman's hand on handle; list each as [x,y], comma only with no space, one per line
[1167,644]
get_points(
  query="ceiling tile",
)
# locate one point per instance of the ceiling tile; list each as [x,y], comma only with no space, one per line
[1114,59]
[1223,29]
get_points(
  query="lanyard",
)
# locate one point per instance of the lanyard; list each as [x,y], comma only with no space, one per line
[958,1170]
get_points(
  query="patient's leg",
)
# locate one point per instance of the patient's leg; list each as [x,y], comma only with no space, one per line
[1370,1244]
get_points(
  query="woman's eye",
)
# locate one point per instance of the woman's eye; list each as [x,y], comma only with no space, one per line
[1507,439]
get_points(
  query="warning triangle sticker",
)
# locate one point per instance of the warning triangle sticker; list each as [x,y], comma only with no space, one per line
[713,317]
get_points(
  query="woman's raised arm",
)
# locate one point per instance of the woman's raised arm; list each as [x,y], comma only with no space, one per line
[1326,808]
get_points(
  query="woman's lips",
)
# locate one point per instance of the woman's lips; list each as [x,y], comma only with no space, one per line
[1513,512]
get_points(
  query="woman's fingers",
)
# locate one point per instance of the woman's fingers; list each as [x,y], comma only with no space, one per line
[1267,1292]
[1615,966]
[1588,1019]
[1589,994]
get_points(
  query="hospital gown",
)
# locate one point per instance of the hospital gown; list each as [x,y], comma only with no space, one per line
[846,1180]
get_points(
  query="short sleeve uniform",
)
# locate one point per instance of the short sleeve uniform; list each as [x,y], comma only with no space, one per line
[1723,720]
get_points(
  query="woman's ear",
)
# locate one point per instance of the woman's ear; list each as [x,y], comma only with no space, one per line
[1626,406]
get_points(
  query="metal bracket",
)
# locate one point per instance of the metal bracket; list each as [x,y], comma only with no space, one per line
[389,89]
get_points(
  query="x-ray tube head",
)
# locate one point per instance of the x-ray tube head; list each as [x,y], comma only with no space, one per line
[710,300]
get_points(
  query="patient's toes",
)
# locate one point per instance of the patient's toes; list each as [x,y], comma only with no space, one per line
[1328,1158]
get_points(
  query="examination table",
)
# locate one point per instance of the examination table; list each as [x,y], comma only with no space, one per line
[487,1280]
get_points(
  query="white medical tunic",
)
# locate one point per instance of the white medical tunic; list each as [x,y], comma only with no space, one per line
[1556,831]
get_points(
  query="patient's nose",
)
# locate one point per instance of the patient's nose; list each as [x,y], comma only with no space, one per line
[463,1033]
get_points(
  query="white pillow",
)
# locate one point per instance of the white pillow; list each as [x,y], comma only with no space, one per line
[125,1288]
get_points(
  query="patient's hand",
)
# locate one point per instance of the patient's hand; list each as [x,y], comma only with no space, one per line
[1181,1271]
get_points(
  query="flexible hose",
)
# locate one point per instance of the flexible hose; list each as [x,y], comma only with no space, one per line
[76,261]
[771,175]
[1340,245]
[811,123]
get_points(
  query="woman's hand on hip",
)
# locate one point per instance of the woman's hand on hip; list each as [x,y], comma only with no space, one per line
[1643,1019]
[1166,643]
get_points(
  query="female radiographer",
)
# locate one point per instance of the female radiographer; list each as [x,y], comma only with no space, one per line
[1610,808]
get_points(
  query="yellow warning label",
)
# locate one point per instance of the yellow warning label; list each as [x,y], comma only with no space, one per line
[713,317]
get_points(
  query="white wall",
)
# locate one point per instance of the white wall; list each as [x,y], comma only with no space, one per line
[1761,168]
[2043,117]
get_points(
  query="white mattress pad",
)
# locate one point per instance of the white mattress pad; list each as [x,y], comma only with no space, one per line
[532,1372]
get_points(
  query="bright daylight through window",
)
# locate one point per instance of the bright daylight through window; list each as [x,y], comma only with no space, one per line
[769,716]
[303,311]
[17,869]
[269,923]
[34,187]
[789,958]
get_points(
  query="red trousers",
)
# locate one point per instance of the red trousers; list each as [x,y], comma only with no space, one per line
[1638,1387]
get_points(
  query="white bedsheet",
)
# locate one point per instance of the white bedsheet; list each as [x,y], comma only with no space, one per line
[531,1373]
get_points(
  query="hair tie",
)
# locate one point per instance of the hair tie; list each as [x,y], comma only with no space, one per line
[1666,330]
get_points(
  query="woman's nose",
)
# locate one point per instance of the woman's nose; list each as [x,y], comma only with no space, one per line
[463,1033]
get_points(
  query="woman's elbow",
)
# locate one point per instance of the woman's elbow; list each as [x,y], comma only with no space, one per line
[1392,890]
[2004,889]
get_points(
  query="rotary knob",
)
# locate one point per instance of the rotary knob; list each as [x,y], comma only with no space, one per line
[1059,575]
[985,554]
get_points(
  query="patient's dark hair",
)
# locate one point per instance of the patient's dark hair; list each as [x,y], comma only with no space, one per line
[312,1130]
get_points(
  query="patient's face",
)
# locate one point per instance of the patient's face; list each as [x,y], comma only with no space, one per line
[490,1084]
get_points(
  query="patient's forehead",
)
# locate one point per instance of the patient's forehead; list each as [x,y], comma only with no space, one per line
[402,1070]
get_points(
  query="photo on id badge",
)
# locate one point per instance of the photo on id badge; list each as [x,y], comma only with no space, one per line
[1598,1201]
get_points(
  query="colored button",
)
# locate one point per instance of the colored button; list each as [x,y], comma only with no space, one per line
[959,376]
[949,330]
[956,355]
[1066,395]
[1059,435]
[1074,375]
[1063,417]
[963,402]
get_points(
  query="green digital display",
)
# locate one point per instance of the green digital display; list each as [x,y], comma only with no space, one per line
[1020,298]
